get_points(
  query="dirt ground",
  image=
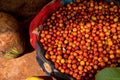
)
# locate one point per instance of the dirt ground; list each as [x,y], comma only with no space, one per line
[20,68]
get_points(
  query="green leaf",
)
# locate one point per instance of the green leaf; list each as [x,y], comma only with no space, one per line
[108,74]
[8,55]
[14,51]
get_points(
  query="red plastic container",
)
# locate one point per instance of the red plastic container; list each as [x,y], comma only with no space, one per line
[39,19]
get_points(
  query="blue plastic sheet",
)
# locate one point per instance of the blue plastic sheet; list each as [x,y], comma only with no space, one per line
[67,1]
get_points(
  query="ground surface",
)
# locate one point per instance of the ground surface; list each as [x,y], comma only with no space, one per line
[20,68]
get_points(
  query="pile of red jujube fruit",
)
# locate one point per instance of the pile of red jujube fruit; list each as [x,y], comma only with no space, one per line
[82,38]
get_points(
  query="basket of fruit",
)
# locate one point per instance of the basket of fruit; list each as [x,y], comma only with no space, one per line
[77,40]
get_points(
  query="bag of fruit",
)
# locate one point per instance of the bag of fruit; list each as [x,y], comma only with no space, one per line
[77,40]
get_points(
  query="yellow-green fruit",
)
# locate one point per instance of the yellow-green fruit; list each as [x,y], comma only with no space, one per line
[34,78]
